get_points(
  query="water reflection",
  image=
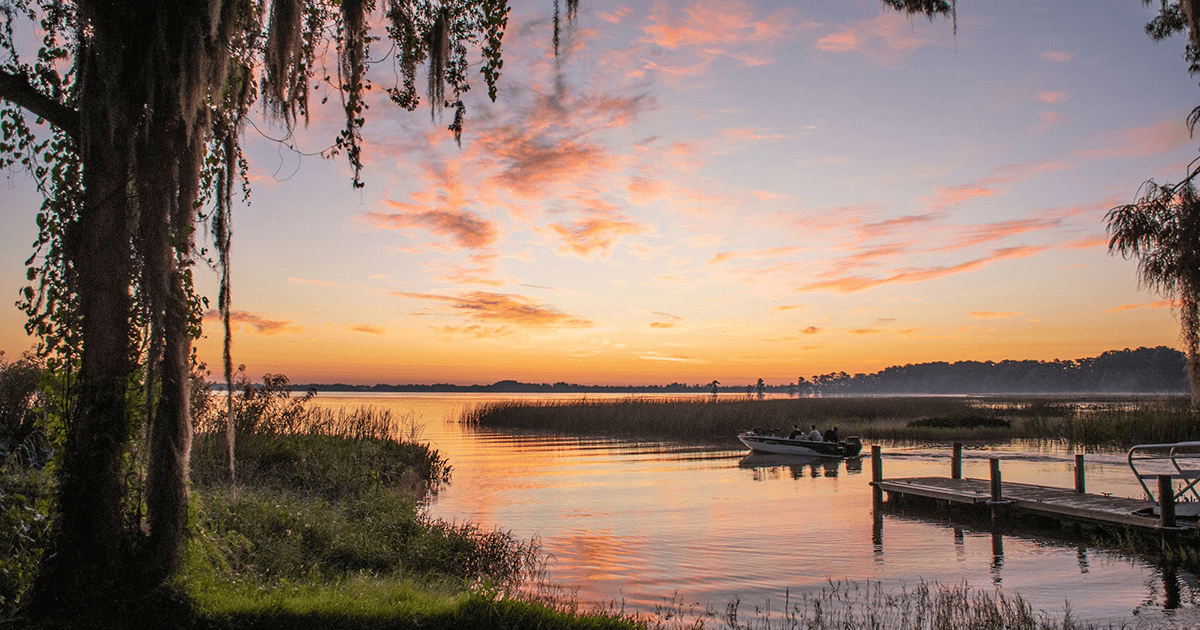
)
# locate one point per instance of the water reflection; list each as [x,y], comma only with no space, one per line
[637,521]
[767,466]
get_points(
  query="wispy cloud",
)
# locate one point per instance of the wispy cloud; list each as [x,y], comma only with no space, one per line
[369,329]
[885,40]
[1137,141]
[504,308]
[712,29]
[995,314]
[770,252]
[255,323]
[1130,307]
[850,284]
[594,235]
[811,330]
[1054,97]
[1058,56]
[464,228]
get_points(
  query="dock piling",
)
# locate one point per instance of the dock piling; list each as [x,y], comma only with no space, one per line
[1166,501]
[956,462]
[877,473]
[1080,484]
[997,486]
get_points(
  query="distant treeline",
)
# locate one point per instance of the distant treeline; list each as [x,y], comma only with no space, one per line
[1144,370]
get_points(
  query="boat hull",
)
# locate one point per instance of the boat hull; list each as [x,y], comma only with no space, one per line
[849,447]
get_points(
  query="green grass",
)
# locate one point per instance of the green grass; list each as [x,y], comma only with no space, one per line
[1113,421]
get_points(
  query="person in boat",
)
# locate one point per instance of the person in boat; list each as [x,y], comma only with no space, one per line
[831,435]
[814,435]
[796,432]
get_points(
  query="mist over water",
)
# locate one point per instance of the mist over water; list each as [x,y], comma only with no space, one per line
[639,523]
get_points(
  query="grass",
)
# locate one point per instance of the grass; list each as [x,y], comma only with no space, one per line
[850,605]
[1114,421]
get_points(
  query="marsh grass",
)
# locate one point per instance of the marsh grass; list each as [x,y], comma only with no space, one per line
[1117,421]
[704,419]
[850,605]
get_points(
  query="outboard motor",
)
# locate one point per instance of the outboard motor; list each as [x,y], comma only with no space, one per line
[853,446]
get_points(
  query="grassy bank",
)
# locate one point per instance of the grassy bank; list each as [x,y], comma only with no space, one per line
[1114,421]
[324,528]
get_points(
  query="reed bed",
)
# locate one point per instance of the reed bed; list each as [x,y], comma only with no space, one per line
[1115,421]
[705,419]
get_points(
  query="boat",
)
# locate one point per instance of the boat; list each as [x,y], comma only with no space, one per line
[780,445]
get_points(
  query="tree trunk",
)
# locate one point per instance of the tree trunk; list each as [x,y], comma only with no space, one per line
[89,547]
[1189,324]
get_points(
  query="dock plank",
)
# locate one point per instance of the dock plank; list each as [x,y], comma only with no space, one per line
[1057,502]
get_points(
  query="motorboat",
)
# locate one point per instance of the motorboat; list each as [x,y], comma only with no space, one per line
[780,445]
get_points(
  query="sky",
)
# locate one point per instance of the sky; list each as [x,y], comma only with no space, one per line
[710,189]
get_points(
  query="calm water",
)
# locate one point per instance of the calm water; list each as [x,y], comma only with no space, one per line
[640,523]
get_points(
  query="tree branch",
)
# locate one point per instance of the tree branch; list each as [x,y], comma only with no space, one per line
[18,89]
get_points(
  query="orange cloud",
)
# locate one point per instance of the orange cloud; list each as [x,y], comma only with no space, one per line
[995,314]
[788,307]
[945,196]
[592,235]
[1130,307]
[811,330]
[255,323]
[464,228]
[770,252]
[369,329]
[501,307]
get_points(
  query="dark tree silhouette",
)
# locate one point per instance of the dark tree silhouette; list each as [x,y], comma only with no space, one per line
[1162,230]
[146,100]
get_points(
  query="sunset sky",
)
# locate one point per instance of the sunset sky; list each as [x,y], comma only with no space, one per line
[714,190]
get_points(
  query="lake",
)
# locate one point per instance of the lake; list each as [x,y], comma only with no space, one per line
[640,523]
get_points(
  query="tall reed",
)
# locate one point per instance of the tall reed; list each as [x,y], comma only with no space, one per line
[851,605]
[705,419]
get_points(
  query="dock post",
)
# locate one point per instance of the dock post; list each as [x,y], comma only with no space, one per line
[956,462]
[997,486]
[1080,484]
[877,474]
[1166,501]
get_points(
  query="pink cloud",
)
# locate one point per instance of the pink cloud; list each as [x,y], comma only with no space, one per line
[1149,140]
[1058,56]
[464,228]
[1054,98]
[945,196]
[885,40]
[850,284]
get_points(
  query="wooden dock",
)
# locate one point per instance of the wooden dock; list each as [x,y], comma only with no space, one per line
[1054,502]
[1008,499]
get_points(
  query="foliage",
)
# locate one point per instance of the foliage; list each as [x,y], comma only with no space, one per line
[703,418]
[961,422]
[1148,370]
[1162,230]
